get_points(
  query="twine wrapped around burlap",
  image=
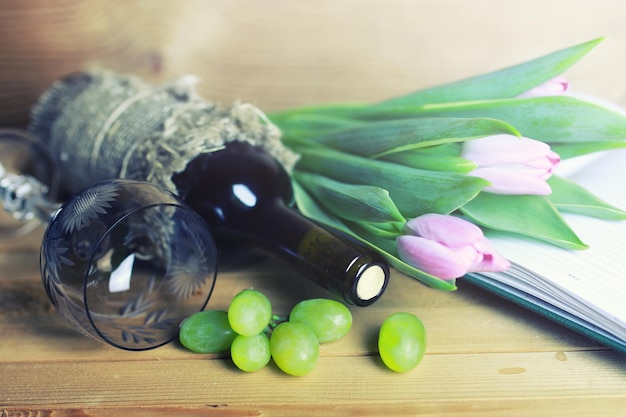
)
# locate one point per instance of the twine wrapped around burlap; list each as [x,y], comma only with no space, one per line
[100,125]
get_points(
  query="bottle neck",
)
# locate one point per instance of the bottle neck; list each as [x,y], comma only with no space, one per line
[244,194]
[333,260]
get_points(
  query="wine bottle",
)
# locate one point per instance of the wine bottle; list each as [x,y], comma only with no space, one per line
[227,165]
[244,194]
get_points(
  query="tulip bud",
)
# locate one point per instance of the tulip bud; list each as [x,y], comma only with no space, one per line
[553,87]
[448,247]
[513,165]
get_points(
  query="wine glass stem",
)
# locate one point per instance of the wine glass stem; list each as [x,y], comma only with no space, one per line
[24,197]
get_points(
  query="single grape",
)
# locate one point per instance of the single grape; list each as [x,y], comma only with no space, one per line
[249,312]
[206,332]
[402,341]
[294,348]
[250,353]
[329,319]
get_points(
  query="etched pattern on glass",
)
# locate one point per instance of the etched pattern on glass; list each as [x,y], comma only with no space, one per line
[125,262]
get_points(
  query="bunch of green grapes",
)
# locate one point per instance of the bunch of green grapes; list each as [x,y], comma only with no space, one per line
[255,336]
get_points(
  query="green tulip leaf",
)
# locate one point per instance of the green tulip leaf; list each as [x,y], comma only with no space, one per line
[501,84]
[553,119]
[530,215]
[414,191]
[376,139]
[570,150]
[350,201]
[325,111]
[311,209]
[567,196]
[423,159]
[505,83]
[381,230]
[311,125]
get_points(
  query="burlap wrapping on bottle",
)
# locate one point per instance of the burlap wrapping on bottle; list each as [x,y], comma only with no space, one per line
[101,125]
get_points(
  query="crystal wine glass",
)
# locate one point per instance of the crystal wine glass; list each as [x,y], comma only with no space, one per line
[122,261]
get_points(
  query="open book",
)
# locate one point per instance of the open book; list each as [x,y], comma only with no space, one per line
[583,290]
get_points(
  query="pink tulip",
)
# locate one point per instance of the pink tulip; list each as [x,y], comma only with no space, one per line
[448,247]
[553,87]
[513,165]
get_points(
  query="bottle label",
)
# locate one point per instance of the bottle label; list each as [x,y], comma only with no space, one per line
[319,247]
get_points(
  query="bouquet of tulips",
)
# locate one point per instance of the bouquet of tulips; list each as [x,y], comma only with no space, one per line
[420,177]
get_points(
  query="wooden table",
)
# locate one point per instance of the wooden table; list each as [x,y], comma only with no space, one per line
[485,356]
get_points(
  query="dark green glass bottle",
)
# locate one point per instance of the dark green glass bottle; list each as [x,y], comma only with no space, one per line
[246,196]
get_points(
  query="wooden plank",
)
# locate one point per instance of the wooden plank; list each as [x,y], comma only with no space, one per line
[344,381]
[571,407]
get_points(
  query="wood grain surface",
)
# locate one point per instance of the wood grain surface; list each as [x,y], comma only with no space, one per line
[485,357]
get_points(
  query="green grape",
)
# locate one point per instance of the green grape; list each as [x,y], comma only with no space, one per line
[206,332]
[249,312]
[402,341]
[250,353]
[294,348]
[329,319]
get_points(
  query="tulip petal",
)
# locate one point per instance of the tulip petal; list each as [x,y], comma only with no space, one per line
[507,181]
[449,230]
[553,157]
[544,164]
[490,260]
[554,87]
[503,149]
[434,258]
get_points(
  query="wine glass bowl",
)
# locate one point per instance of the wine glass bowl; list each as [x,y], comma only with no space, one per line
[125,262]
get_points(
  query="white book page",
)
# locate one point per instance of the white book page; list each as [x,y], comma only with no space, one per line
[591,282]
